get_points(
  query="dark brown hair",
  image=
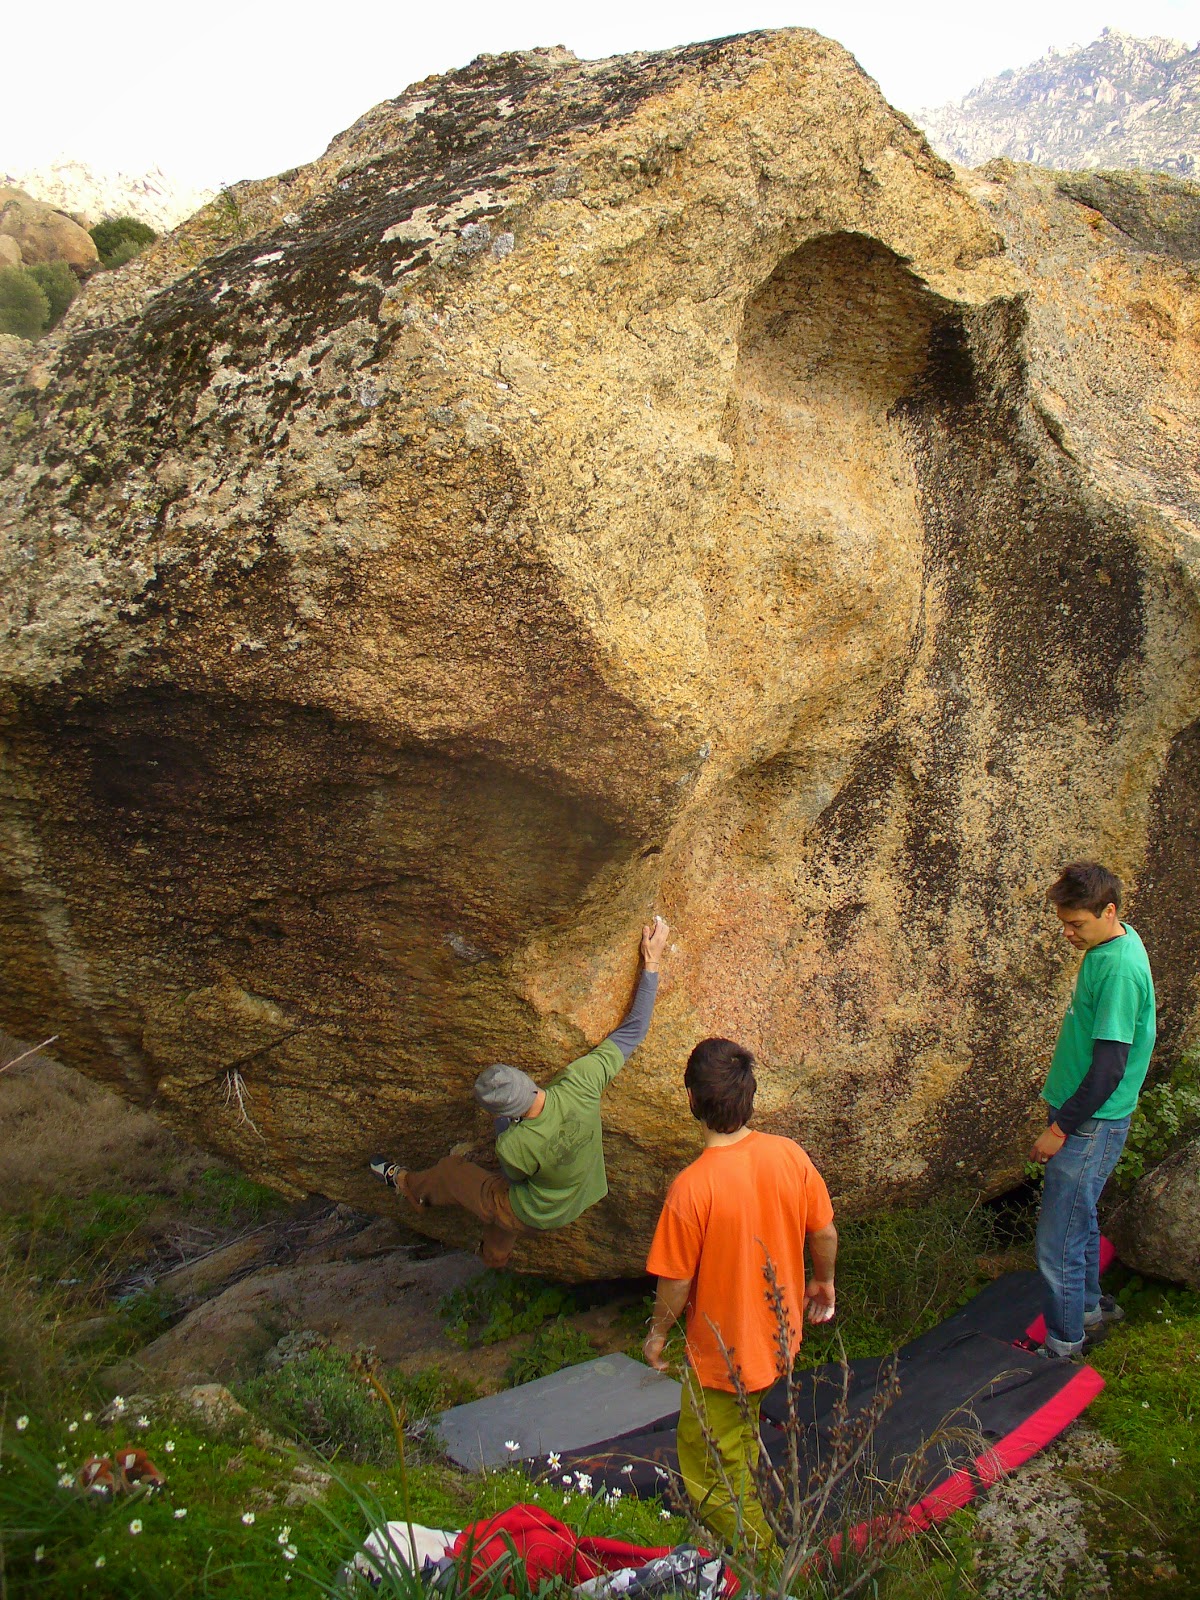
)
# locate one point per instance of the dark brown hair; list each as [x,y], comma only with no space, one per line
[1085,886]
[720,1078]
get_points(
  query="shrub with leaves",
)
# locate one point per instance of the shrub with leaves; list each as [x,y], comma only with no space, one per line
[24,307]
[1165,1116]
[318,1398]
[498,1305]
[115,235]
[557,1345]
[58,283]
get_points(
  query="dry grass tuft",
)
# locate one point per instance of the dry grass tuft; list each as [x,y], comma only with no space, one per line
[62,1134]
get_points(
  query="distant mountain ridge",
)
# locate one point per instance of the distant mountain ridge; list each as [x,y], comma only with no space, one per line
[1118,102]
[73,186]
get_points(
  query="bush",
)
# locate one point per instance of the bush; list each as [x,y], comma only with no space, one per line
[58,283]
[559,1344]
[1165,1116]
[498,1305]
[319,1399]
[24,308]
[114,235]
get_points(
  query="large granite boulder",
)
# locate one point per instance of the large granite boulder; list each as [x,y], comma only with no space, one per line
[41,233]
[588,488]
[1156,1227]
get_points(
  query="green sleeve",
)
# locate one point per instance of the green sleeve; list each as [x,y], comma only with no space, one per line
[1118,1003]
[595,1071]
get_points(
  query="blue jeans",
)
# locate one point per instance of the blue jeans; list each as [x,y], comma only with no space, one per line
[1068,1236]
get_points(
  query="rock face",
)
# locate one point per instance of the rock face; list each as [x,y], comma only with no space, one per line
[1157,1228]
[1118,102]
[592,488]
[43,234]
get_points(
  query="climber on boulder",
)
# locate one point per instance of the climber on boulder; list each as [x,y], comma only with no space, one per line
[549,1141]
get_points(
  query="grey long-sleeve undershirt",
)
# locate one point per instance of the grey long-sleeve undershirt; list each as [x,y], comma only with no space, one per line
[627,1035]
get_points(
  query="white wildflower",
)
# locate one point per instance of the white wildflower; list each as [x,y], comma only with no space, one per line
[180,1513]
[99,1561]
[511,1444]
[554,1461]
[143,1422]
[1145,1405]
[627,1469]
[87,1416]
[584,1481]
[169,1446]
[665,1515]
[285,1533]
[567,1479]
[247,1517]
[289,1552]
[65,1481]
[22,1424]
[118,1404]
[72,1427]
[136,1525]
[40,1553]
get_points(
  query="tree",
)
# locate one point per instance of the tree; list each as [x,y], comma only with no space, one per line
[24,308]
[114,235]
[58,283]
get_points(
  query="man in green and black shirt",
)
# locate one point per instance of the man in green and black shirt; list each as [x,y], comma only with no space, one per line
[1099,1066]
[549,1141]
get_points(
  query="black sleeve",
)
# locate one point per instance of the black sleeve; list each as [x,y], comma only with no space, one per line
[1105,1073]
[630,1033]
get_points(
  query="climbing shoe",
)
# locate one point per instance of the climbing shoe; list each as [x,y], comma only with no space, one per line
[387,1169]
[1106,1313]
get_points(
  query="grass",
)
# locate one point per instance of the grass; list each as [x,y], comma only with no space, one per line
[1148,1512]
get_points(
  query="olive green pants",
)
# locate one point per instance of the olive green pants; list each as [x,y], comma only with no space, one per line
[718,1472]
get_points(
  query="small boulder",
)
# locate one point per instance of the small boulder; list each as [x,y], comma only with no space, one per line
[1157,1228]
[43,234]
[214,1404]
[10,252]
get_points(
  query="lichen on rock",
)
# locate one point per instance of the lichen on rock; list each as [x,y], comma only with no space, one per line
[594,487]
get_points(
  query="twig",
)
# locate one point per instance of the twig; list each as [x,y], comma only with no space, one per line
[25,1054]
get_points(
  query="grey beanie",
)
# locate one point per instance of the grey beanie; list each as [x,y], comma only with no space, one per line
[505,1091]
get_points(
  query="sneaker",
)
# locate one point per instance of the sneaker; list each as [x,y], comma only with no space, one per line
[1047,1354]
[1108,1311]
[387,1169]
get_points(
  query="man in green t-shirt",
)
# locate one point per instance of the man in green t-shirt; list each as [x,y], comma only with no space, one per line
[549,1141]
[1097,1072]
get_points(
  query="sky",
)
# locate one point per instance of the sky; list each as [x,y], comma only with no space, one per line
[233,89]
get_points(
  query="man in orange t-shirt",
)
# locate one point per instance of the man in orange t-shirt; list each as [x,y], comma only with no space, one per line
[748,1199]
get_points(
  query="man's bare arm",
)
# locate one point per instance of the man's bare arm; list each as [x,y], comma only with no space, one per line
[820,1301]
[670,1302]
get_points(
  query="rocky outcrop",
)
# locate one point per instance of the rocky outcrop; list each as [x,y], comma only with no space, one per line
[92,194]
[1117,102]
[592,488]
[42,234]
[1156,1228]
